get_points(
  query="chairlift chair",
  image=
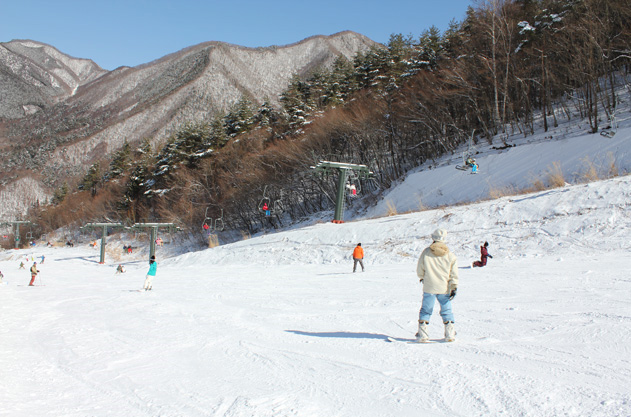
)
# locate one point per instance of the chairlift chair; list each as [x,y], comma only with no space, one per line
[265,205]
[219,226]
[212,225]
[278,207]
[207,224]
[610,131]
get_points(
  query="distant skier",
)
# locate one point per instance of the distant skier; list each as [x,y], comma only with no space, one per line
[120,269]
[34,272]
[484,253]
[437,269]
[474,167]
[1,276]
[42,261]
[21,265]
[358,257]
[151,274]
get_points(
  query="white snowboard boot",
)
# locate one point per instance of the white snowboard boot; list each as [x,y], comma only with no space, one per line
[422,336]
[450,331]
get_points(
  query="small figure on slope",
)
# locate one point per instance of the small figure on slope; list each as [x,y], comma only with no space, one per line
[151,274]
[484,253]
[34,272]
[120,269]
[437,269]
[358,257]
[21,265]
[1,276]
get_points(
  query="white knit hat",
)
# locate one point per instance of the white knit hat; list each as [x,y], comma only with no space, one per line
[439,235]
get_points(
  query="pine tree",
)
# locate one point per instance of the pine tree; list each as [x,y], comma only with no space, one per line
[60,194]
[296,102]
[240,117]
[91,179]
[120,162]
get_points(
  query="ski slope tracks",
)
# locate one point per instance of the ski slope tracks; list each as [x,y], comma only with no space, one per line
[278,325]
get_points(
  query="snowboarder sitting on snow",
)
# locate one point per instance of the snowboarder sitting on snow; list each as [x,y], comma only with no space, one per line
[120,269]
[484,253]
[437,269]
[358,256]
[151,274]
[34,272]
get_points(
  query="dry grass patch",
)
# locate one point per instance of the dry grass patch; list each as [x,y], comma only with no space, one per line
[555,176]
[213,241]
[499,192]
[391,209]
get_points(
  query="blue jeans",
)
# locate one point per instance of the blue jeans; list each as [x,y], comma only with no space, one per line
[428,307]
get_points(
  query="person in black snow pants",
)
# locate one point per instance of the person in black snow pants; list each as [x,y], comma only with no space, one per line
[484,253]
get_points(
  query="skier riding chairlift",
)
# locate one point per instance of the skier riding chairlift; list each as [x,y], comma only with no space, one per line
[353,184]
[211,225]
[265,209]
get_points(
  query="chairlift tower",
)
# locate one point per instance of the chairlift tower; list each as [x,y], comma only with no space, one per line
[16,229]
[343,170]
[103,227]
[171,227]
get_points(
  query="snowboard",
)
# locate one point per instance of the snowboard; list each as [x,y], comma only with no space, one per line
[415,342]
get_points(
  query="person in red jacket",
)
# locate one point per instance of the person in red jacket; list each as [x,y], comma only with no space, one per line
[484,253]
[358,256]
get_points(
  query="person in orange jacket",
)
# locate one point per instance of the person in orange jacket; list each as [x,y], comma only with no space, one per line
[358,256]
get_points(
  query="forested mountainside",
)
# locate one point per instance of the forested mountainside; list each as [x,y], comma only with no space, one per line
[59,115]
[509,66]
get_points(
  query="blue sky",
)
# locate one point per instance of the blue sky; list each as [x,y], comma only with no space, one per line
[132,32]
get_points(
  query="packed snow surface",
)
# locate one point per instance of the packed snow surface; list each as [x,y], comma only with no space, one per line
[278,325]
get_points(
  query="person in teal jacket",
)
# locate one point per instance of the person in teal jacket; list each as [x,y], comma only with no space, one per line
[151,274]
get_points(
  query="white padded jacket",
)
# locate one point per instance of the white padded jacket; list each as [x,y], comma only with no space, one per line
[438,269]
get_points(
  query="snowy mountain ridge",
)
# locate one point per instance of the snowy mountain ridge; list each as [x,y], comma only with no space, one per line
[59,114]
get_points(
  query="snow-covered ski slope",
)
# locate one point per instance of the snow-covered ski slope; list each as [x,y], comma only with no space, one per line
[278,325]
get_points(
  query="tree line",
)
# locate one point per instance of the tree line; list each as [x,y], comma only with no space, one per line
[509,66]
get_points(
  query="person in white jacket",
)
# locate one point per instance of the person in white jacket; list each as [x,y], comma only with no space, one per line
[438,271]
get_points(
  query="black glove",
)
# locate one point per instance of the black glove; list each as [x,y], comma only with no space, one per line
[490,256]
[453,294]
